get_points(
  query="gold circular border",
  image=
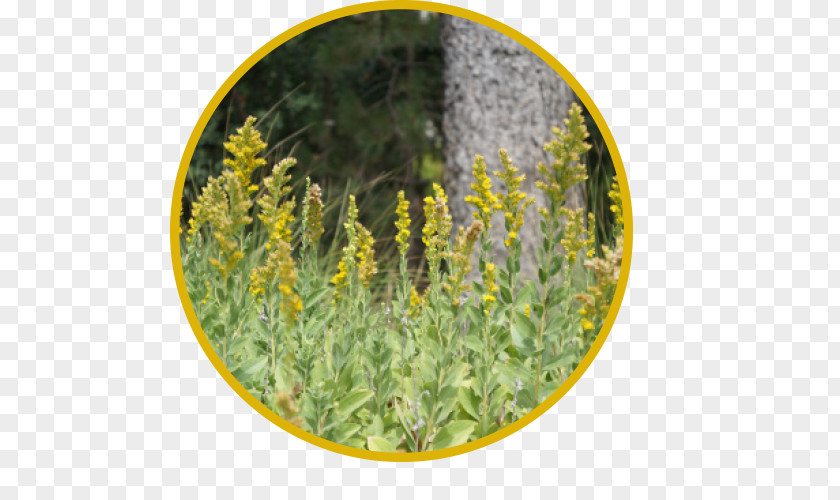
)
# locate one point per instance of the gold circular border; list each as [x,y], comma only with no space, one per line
[175,242]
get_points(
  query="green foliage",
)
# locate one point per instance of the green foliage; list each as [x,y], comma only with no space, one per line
[600,172]
[366,87]
[301,325]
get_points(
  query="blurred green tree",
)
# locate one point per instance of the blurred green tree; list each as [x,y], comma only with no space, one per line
[355,100]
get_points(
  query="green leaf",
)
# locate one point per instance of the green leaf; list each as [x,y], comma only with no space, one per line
[562,360]
[469,401]
[262,331]
[524,324]
[453,434]
[555,326]
[505,294]
[251,370]
[314,297]
[473,342]
[523,336]
[343,432]
[377,426]
[455,375]
[474,314]
[555,266]
[409,439]
[426,367]
[353,401]
[447,399]
[503,276]
[525,295]
[376,443]
[496,401]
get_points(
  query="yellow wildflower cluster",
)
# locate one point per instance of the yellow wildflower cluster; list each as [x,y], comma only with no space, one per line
[573,233]
[341,278]
[514,202]
[596,302]
[224,206]
[460,258]
[279,267]
[281,230]
[403,222]
[225,201]
[416,301]
[245,145]
[438,225]
[485,202]
[616,207]
[206,206]
[276,214]
[490,287]
[566,169]
[314,215]
[206,297]
[365,264]
[288,407]
[350,226]
[590,240]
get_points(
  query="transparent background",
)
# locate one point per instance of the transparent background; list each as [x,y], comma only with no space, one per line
[715,381]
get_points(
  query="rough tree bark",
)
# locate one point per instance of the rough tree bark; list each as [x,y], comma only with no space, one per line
[498,94]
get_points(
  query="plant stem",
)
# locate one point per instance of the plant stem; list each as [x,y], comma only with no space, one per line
[549,236]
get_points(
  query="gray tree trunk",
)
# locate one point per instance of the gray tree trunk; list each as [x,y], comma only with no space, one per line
[498,94]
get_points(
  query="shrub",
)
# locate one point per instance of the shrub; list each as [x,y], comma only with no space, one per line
[408,371]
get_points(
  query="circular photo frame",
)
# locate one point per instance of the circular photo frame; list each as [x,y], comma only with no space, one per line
[403,340]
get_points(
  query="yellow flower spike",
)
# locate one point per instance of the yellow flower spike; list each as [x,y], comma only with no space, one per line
[366,263]
[416,302]
[340,278]
[403,223]
[490,287]
[573,238]
[513,202]
[244,146]
[616,207]
[590,240]
[347,264]
[207,203]
[460,257]
[350,227]
[484,201]
[275,213]
[223,205]
[314,215]
[567,148]
[281,268]
[595,303]
[438,226]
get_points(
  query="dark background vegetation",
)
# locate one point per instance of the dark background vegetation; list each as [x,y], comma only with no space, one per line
[358,101]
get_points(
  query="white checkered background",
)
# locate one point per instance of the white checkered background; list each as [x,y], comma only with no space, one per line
[715,381]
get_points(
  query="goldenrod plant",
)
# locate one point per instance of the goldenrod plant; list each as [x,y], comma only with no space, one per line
[435,358]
